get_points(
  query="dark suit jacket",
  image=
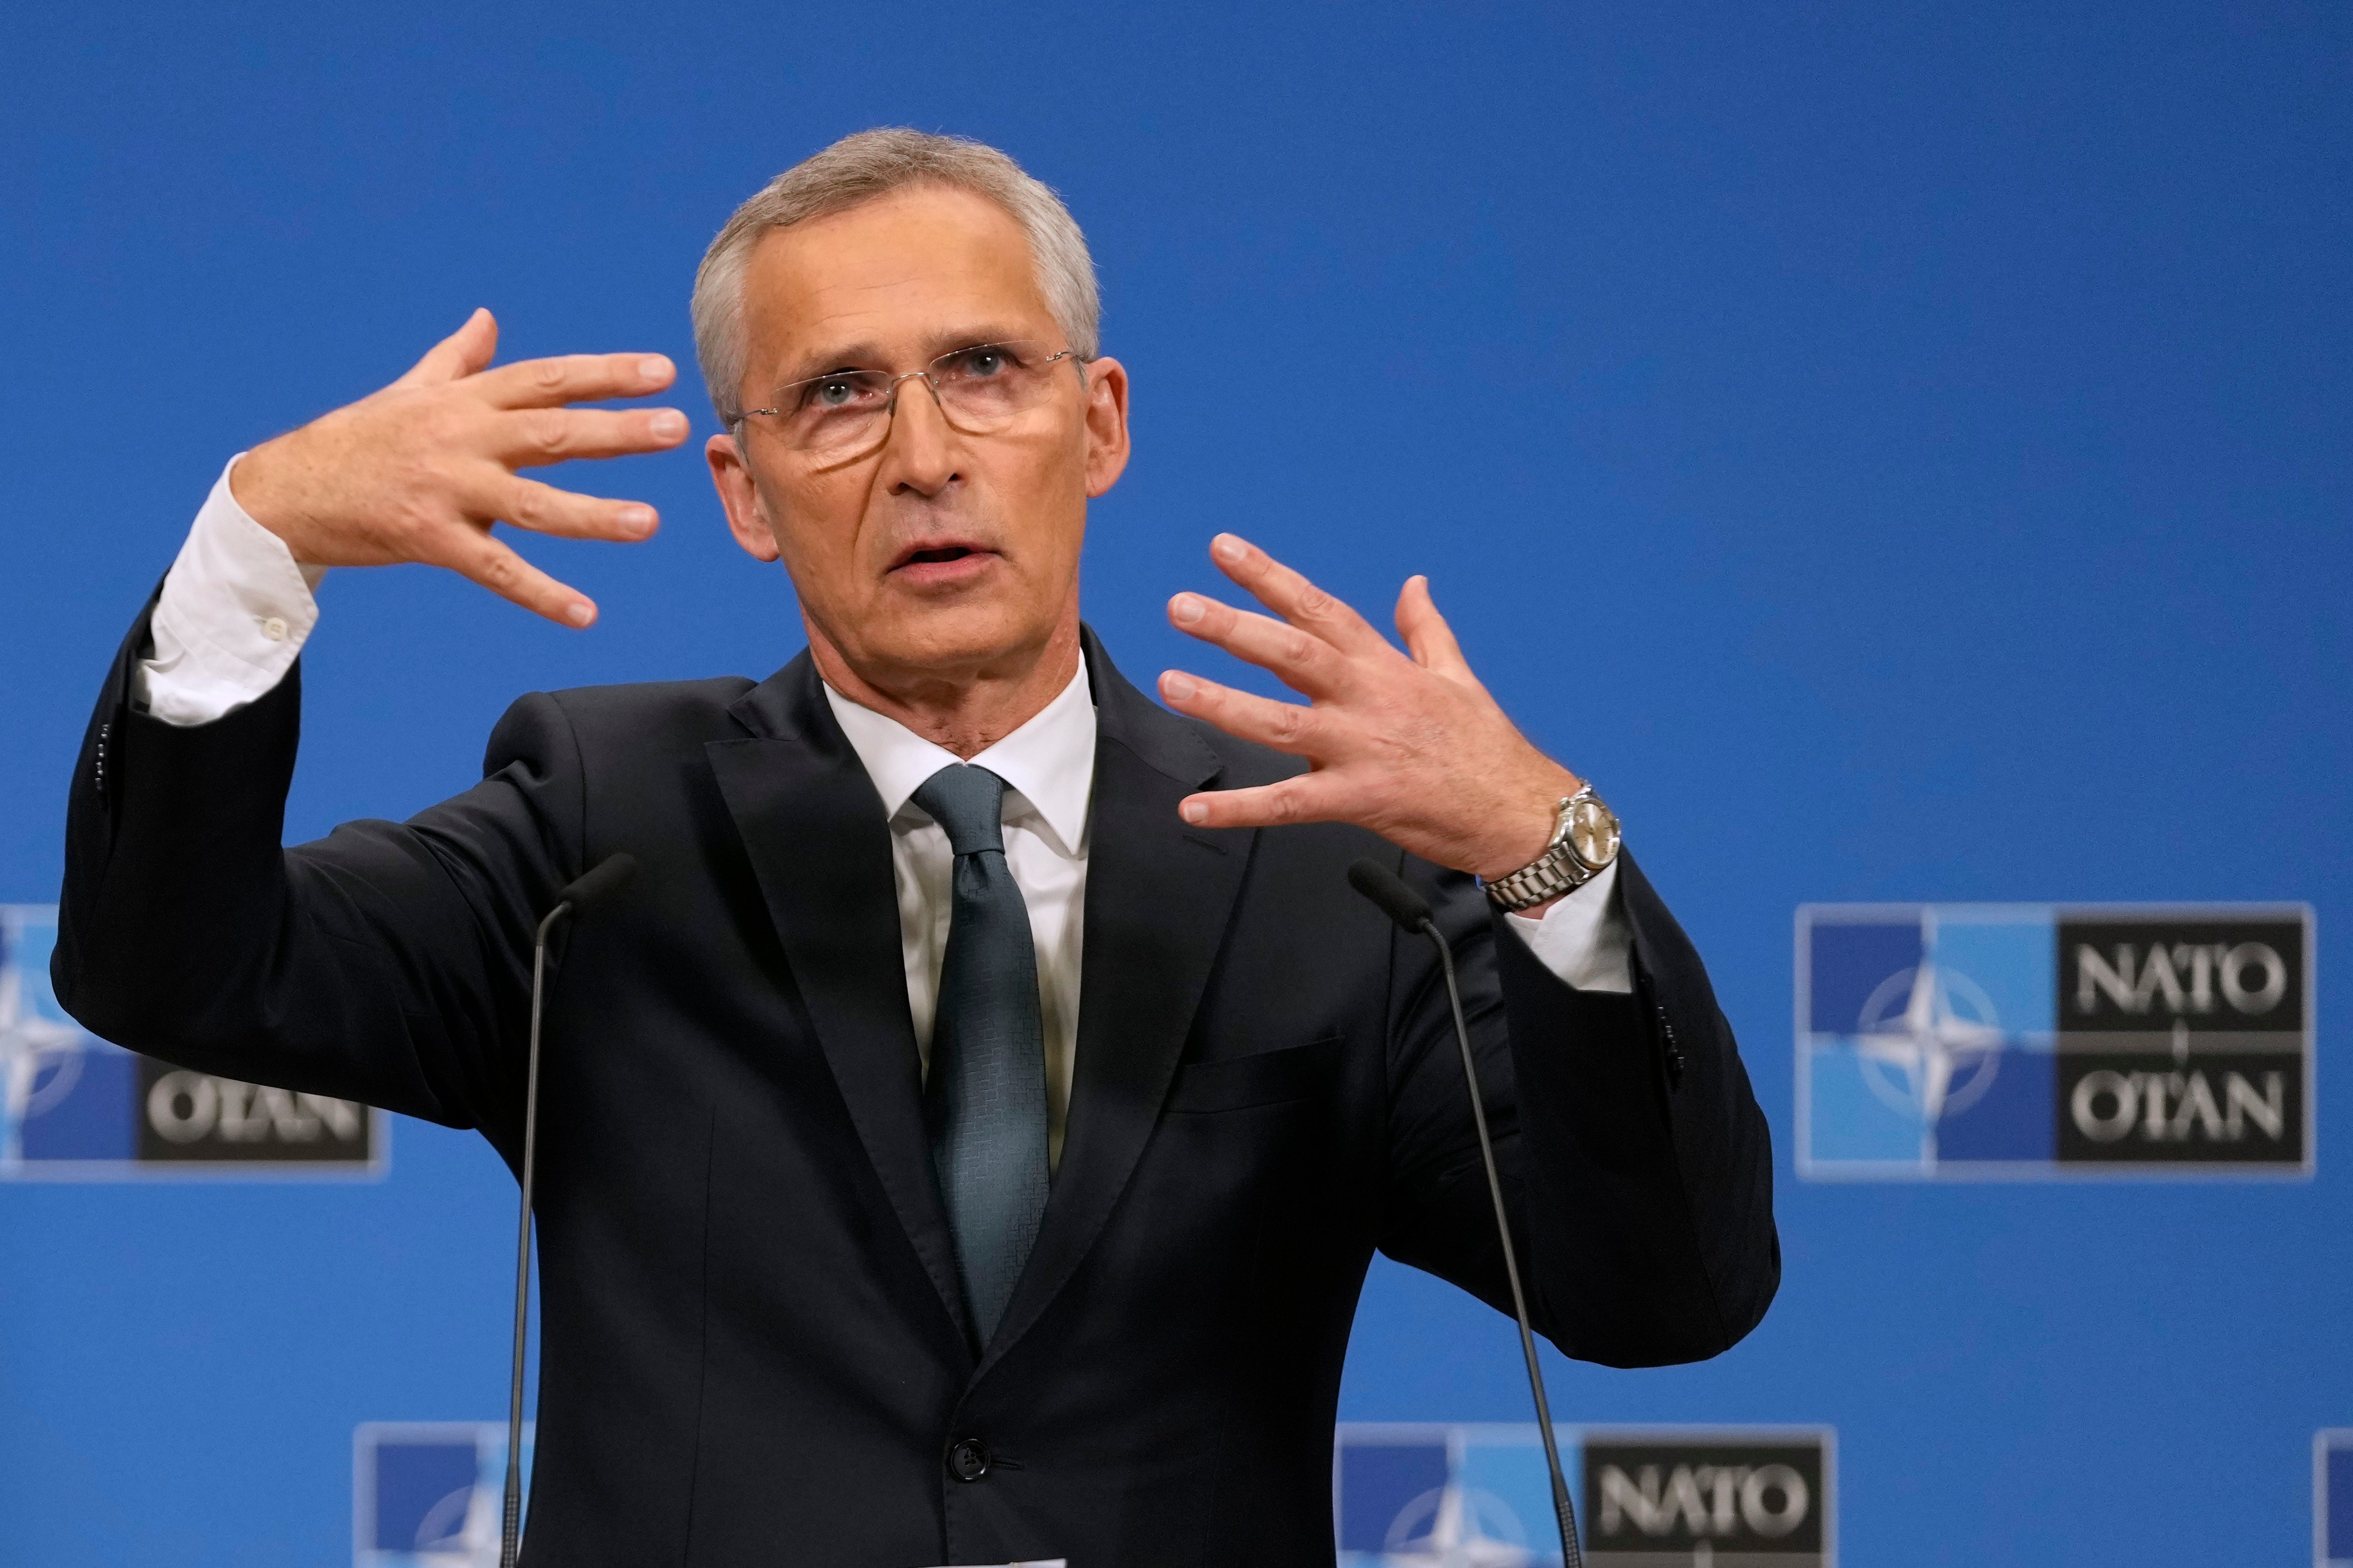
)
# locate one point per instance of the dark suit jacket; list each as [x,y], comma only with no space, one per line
[754,1348]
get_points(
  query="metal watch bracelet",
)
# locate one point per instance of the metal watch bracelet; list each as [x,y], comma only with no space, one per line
[1559,869]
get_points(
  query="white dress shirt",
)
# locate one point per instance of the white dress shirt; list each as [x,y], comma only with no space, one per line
[1050,763]
[236,608]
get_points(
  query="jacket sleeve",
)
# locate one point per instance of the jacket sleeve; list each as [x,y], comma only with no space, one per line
[387,963]
[1638,1169]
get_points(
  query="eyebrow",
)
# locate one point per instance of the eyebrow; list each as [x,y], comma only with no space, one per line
[866,355]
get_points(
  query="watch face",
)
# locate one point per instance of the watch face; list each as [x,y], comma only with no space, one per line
[1593,833]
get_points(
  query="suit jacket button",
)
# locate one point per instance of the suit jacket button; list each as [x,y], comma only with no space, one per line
[969,1459]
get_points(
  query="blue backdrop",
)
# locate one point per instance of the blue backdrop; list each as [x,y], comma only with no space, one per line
[1900,452]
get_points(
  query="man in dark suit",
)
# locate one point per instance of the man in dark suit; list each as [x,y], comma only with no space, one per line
[966,1139]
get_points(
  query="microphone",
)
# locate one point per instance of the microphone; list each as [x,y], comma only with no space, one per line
[1411,913]
[593,886]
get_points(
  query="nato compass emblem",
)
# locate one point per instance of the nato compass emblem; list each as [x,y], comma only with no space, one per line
[2022,1040]
[1929,1041]
[1432,1496]
[1456,1527]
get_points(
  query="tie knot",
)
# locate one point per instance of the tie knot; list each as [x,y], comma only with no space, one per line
[968,803]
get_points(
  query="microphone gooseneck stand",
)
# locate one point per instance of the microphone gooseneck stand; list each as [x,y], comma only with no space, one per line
[1412,913]
[598,882]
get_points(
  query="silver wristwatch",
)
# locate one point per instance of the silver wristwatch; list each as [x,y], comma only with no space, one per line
[1585,838]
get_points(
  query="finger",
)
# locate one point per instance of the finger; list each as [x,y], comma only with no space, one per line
[1299,659]
[575,378]
[1427,636]
[1307,798]
[1285,726]
[534,437]
[477,555]
[1294,598]
[458,355]
[544,509]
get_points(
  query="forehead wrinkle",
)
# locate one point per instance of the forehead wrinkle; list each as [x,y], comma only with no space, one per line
[978,284]
[960,277]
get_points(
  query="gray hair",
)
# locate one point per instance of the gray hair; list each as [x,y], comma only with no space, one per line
[857,170]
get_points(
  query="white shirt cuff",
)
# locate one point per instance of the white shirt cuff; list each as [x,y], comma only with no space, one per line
[1584,938]
[234,611]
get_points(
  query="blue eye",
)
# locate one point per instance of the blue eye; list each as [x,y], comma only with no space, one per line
[833,391]
[981,363]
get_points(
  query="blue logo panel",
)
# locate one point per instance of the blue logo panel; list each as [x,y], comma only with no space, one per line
[1917,1031]
[1444,1495]
[75,1108]
[1976,1040]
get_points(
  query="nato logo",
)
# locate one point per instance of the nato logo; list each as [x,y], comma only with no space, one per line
[1438,1496]
[430,1494]
[1993,1040]
[2332,1498]
[74,1108]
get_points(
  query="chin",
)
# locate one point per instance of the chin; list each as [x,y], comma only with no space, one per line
[958,636]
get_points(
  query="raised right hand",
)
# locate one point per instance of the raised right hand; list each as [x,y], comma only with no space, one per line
[420,470]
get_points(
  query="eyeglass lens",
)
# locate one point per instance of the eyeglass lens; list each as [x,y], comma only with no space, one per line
[981,390]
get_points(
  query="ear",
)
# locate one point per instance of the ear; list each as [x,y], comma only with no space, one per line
[1106,420]
[731,477]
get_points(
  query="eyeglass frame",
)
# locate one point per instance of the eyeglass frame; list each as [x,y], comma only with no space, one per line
[891,408]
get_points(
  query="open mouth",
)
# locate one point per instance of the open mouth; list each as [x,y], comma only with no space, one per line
[926,560]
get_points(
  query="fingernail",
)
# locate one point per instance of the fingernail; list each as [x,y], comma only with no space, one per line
[669,424]
[654,368]
[1193,812]
[1226,547]
[1184,609]
[1177,684]
[581,612]
[638,519]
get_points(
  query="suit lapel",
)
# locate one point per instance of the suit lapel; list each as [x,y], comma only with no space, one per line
[814,830]
[1158,896]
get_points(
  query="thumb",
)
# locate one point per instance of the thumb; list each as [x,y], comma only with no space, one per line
[1427,636]
[458,355]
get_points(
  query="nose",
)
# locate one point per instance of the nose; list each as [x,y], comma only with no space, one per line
[918,447]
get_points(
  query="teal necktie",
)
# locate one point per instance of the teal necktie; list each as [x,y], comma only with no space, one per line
[985,1097]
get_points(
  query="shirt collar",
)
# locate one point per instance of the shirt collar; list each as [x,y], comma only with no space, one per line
[1049,761]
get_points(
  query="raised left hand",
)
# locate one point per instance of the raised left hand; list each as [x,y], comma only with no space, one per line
[1412,748]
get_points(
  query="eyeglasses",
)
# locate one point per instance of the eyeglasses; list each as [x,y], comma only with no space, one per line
[847,412]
